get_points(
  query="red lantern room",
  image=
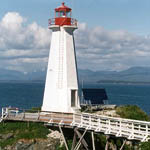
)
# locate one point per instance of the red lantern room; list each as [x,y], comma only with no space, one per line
[63,17]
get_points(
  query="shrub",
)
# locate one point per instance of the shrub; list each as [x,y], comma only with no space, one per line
[22,130]
[145,146]
[132,112]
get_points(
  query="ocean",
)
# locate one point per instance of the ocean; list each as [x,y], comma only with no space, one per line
[26,95]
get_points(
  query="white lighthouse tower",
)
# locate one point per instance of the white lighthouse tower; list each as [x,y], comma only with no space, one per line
[61,87]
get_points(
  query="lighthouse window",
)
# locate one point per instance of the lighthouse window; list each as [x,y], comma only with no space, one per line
[68,14]
[57,14]
[62,14]
[73,97]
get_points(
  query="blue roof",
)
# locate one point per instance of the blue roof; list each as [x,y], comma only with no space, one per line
[96,96]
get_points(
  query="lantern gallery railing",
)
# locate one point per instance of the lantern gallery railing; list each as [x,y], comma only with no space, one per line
[126,128]
[53,22]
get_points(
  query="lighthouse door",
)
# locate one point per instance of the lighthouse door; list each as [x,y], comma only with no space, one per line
[73,98]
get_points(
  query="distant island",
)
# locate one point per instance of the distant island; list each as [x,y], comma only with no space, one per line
[122,82]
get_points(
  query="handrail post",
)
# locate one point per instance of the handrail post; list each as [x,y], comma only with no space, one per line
[132,128]
[7,111]
[99,123]
[81,119]
[109,126]
[120,128]
[90,121]
[147,129]
[2,113]
[38,115]
[73,121]
[23,114]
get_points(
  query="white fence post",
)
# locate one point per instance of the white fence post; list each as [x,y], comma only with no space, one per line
[90,122]
[81,120]
[109,126]
[147,130]
[2,113]
[73,121]
[99,122]
[120,128]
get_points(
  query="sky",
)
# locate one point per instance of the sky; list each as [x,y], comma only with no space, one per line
[111,35]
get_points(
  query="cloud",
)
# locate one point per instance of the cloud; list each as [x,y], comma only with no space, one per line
[22,47]
[102,49]
[25,47]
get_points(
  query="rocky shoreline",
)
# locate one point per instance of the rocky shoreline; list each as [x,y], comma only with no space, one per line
[52,142]
[36,136]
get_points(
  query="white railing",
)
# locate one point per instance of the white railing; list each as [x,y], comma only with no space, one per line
[127,128]
[52,22]
[131,129]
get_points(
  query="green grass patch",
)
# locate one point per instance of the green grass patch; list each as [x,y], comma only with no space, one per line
[145,146]
[132,112]
[22,130]
[34,110]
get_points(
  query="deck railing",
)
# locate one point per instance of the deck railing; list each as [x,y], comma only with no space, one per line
[119,127]
[52,22]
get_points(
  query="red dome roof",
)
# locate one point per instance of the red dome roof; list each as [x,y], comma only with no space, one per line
[63,8]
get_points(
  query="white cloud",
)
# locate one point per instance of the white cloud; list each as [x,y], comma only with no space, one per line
[25,47]
[110,50]
[12,20]
[22,47]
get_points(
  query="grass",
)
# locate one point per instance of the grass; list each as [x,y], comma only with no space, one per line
[34,109]
[132,112]
[22,130]
[145,146]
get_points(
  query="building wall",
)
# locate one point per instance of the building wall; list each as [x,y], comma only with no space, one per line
[61,73]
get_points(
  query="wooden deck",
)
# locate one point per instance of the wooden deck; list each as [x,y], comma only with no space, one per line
[126,128]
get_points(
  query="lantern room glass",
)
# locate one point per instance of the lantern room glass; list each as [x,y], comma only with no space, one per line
[63,14]
[57,14]
[68,14]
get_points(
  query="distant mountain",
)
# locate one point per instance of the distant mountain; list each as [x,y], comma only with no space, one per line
[133,74]
[6,74]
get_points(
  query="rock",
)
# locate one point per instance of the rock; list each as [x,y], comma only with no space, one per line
[7,136]
[36,144]
[56,135]
[24,146]
[53,141]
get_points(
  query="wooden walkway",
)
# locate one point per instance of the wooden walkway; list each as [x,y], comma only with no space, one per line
[125,128]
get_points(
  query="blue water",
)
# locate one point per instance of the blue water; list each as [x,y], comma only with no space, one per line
[28,95]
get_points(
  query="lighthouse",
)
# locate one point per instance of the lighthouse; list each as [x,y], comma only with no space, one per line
[61,88]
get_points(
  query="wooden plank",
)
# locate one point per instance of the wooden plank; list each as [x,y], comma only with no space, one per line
[74,140]
[79,142]
[93,142]
[63,138]
[82,140]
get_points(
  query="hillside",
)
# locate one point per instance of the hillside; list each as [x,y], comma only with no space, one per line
[134,74]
